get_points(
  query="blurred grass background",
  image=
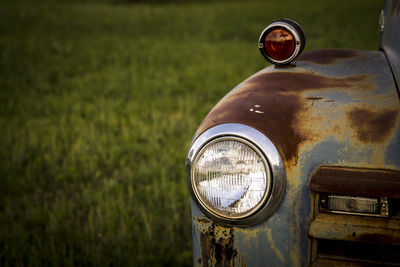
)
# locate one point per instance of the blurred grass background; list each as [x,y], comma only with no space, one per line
[98,103]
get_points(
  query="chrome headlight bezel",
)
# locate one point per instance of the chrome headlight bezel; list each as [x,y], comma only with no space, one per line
[266,150]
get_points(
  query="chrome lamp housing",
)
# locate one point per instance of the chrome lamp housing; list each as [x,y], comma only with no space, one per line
[235,174]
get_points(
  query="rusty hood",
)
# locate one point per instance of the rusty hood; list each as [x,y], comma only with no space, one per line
[331,107]
[345,95]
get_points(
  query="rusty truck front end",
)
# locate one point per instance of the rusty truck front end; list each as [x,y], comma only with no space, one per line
[300,164]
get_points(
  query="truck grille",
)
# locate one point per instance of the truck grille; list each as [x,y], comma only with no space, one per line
[349,234]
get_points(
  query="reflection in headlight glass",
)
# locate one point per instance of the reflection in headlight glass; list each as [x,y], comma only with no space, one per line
[230,177]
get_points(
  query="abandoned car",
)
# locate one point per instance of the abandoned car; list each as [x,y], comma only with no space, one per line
[299,165]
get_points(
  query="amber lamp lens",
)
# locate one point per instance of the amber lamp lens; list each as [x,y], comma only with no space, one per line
[279,44]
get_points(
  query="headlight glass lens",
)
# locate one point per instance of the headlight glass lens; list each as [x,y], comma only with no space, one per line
[231,177]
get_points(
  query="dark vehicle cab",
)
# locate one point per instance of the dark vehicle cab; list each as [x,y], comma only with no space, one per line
[299,164]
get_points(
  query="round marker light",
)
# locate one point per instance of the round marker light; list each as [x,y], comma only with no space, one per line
[281,42]
[231,177]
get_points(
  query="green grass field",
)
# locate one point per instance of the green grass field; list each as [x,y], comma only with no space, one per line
[98,105]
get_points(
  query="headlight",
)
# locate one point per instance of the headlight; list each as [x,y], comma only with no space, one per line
[235,174]
[231,177]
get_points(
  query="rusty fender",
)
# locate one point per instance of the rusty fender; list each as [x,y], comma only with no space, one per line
[331,107]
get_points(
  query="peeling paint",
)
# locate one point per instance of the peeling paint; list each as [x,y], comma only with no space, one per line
[217,245]
[334,108]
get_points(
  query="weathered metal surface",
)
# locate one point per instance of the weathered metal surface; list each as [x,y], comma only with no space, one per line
[295,95]
[354,228]
[326,57]
[340,111]
[356,182]
[214,244]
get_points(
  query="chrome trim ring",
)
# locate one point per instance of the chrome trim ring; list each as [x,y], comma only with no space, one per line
[298,35]
[266,148]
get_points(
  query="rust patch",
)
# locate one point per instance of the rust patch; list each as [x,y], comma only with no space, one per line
[217,250]
[327,56]
[372,127]
[278,96]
